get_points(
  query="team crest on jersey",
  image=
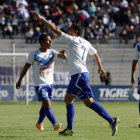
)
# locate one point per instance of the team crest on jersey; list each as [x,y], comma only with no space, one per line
[80,41]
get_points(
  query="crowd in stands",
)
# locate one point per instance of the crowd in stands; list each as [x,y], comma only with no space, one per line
[99,17]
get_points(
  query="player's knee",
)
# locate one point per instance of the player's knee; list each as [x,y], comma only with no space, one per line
[46,104]
[88,104]
[88,101]
[69,99]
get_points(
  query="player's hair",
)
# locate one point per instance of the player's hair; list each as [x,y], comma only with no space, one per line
[78,27]
[42,37]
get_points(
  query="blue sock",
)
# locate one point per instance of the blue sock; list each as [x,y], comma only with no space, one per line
[139,106]
[101,111]
[70,115]
[50,115]
[42,115]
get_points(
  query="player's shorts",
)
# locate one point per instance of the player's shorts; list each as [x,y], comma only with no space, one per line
[44,92]
[138,85]
[79,86]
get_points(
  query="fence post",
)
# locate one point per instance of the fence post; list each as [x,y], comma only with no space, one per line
[14,71]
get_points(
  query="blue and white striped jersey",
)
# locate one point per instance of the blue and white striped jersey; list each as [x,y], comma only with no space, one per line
[42,66]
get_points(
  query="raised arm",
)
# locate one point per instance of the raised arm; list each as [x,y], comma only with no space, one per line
[134,68]
[50,25]
[25,69]
[100,67]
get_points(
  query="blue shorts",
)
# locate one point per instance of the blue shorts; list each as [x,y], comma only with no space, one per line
[44,92]
[138,85]
[79,86]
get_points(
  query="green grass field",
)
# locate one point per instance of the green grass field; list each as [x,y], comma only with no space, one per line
[17,121]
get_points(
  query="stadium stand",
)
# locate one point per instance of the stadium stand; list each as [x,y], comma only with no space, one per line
[116,58]
[104,21]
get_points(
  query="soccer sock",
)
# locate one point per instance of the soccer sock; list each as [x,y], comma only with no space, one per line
[42,115]
[139,107]
[70,115]
[50,116]
[101,111]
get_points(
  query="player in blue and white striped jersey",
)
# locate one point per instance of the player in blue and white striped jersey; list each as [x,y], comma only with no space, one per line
[77,51]
[42,61]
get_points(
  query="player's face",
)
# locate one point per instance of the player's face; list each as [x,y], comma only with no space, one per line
[48,42]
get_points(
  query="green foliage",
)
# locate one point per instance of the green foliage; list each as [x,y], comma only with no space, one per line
[17,122]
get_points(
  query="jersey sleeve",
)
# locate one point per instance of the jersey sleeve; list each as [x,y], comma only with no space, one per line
[55,52]
[92,50]
[136,52]
[30,58]
[67,38]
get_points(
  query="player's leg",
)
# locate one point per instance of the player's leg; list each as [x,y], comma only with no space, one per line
[84,92]
[42,115]
[50,115]
[139,94]
[89,102]
[42,112]
[44,96]
[69,99]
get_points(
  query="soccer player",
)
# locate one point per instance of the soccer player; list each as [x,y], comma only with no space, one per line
[42,61]
[135,64]
[77,51]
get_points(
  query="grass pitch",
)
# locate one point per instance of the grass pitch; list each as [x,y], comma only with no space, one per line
[17,122]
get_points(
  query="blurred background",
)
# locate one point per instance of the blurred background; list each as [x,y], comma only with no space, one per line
[112,26]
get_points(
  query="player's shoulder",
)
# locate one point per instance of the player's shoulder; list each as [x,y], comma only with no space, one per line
[53,52]
[138,46]
[34,52]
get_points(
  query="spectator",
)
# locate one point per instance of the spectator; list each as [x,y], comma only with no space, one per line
[122,12]
[2,22]
[124,36]
[108,78]
[15,24]
[105,20]
[92,9]
[8,31]
[102,79]
[29,35]
[88,34]
[105,35]
[37,34]
[112,27]
[23,13]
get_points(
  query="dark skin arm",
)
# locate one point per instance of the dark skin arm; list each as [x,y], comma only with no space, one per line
[134,68]
[24,70]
